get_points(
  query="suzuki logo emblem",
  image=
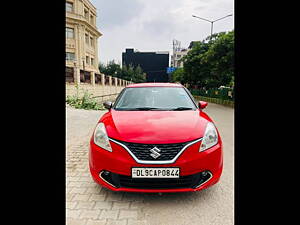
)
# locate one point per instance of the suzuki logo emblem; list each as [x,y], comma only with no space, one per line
[155,152]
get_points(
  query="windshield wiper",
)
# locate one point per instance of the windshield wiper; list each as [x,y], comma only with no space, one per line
[181,108]
[145,108]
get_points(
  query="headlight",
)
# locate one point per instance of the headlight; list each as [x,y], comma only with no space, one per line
[101,138]
[210,137]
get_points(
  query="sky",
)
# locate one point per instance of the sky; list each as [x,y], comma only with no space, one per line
[151,25]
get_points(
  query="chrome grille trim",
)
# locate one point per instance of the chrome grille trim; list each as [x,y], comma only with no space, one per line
[155,162]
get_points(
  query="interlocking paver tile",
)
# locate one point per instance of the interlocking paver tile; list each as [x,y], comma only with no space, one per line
[97,197]
[85,205]
[76,190]
[85,184]
[121,205]
[71,221]
[96,222]
[135,197]
[71,205]
[90,214]
[126,214]
[137,222]
[116,222]
[103,205]
[114,196]
[73,213]
[75,184]
[137,205]
[72,178]
[109,214]
[69,196]
[81,197]
[93,190]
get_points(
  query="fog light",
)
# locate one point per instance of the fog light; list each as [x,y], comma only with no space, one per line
[110,178]
[204,173]
[204,177]
[106,173]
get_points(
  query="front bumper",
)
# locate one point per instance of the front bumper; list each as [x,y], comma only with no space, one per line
[191,162]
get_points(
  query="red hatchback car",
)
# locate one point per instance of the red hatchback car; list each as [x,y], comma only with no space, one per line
[155,138]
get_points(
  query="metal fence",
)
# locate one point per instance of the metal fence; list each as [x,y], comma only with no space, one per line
[221,93]
[215,100]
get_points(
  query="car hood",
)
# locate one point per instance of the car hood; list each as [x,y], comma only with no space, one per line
[155,127]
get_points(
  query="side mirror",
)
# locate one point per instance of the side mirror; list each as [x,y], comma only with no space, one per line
[202,104]
[107,105]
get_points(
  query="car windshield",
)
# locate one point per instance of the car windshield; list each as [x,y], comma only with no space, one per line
[155,98]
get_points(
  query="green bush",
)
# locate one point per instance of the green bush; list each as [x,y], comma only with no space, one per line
[86,102]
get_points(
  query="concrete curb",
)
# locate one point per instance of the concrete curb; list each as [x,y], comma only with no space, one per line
[215,100]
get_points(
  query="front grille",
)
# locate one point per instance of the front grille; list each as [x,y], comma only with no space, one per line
[191,181]
[142,151]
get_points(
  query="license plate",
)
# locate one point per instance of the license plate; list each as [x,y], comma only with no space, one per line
[140,172]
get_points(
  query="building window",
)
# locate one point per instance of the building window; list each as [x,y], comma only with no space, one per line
[92,41]
[92,19]
[70,56]
[86,38]
[92,61]
[69,6]
[69,32]
[87,60]
[86,14]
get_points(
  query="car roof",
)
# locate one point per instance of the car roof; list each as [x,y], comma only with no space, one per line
[154,85]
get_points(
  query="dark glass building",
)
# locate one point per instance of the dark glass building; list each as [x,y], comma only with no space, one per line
[154,64]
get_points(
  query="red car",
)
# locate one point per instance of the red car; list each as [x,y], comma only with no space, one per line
[155,138]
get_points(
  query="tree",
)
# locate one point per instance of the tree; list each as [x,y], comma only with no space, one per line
[112,69]
[220,56]
[195,67]
[134,74]
[210,63]
[178,76]
[130,73]
[139,76]
[101,67]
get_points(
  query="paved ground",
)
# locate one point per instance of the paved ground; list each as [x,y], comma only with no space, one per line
[89,204]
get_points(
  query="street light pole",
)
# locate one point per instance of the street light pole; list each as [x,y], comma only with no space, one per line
[211,22]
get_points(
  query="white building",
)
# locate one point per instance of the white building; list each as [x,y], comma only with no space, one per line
[176,58]
[179,53]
